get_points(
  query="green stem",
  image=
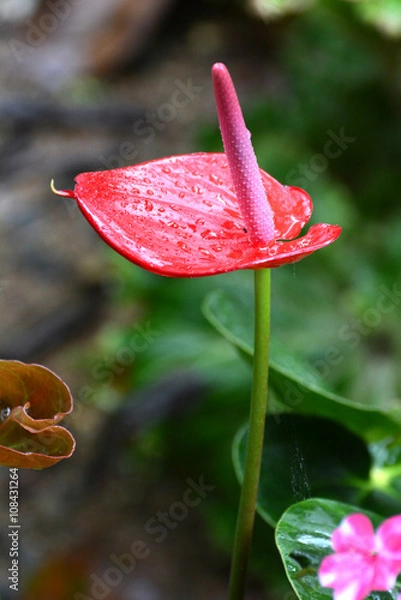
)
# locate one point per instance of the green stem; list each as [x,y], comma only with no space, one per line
[253,460]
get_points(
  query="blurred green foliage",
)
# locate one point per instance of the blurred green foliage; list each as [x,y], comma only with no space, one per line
[385,15]
[334,126]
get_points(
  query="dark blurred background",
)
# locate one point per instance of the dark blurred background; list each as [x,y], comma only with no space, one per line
[89,85]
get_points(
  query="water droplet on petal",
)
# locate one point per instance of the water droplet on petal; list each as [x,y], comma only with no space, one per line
[214,179]
[183,246]
[197,189]
[231,213]
[204,252]
[166,169]
[134,191]
[148,205]
[172,224]
[181,195]
[150,192]
[207,234]
[4,412]
[235,254]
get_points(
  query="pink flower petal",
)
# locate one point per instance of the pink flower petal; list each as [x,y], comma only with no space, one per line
[349,573]
[388,538]
[386,573]
[354,533]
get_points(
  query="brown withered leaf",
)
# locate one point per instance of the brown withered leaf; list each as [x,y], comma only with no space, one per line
[33,400]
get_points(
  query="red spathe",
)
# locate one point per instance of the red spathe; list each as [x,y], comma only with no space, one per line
[179,216]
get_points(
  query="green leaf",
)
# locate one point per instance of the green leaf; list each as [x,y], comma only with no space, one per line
[303,539]
[310,456]
[293,386]
[384,14]
[273,9]
[302,457]
[231,313]
[384,492]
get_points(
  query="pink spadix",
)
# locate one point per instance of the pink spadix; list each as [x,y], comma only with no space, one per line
[244,169]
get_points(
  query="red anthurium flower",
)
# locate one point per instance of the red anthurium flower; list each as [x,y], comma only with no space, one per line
[32,402]
[205,213]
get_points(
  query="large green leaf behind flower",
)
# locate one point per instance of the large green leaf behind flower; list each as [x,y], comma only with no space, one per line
[294,387]
[302,457]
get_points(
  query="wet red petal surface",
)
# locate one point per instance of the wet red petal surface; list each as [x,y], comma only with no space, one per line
[178,216]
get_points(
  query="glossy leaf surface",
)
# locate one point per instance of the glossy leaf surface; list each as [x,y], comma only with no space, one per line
[293,386]
[303,539]
[179,216]
[32,402]
[384,495]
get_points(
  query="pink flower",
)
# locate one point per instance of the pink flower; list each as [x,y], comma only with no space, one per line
[364,561]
